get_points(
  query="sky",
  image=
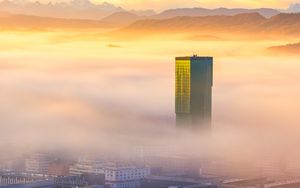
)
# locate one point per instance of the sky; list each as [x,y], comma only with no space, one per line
[163,4]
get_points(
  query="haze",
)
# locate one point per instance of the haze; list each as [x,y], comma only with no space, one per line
[83,86]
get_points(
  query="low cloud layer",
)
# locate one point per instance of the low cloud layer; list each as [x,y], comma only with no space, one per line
[105,103]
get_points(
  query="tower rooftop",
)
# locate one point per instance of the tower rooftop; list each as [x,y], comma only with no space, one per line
[194,57]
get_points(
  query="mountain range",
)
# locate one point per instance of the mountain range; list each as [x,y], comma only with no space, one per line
[12,21]
[85,9]
[84,14]
[193,12]
[122,18]
[75,9]
[247,23]
[294,8]
[289,48]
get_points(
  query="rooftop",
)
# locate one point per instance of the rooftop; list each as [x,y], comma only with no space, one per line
[194,57]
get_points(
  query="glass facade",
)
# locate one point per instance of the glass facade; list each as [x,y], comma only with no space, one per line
[194,80]
[183,86]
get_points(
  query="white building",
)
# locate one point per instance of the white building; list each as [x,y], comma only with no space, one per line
[37,164]
[123,176]
[84,166]
[117,175]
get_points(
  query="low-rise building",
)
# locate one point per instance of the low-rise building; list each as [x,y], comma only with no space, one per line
[23,180]
[59,169]
[85,180]
[124,176]
[84,166]
[37,164]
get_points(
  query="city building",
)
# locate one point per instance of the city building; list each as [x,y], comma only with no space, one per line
[37,164]
[117,174]
[85,166]
[124,176]
[194,81]
[23,180]
[59,169]
[13,180]
[85,180]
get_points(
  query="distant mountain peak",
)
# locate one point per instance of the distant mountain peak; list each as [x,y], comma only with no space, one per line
[109,5]
[148,12]
[77,9]
[82,4]
[121,18]
[198,11]
[105,3]
[294,5]
[50,4]
[20,2]
[6,2]
[37,3]
[294,8]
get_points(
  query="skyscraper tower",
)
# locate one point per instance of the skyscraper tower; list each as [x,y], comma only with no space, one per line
[194,81]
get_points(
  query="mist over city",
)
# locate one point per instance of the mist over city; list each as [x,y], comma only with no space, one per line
[149,94]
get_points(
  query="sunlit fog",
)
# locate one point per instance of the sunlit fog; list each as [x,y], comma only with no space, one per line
[108,93]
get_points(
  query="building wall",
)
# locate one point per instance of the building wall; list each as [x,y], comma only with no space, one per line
[126,174]
[86,167]
[59,169]
[194,80]
[125,177]
[201,90]
[126,184]
[37,164]
[23,182]
[10,180]
[183,86]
